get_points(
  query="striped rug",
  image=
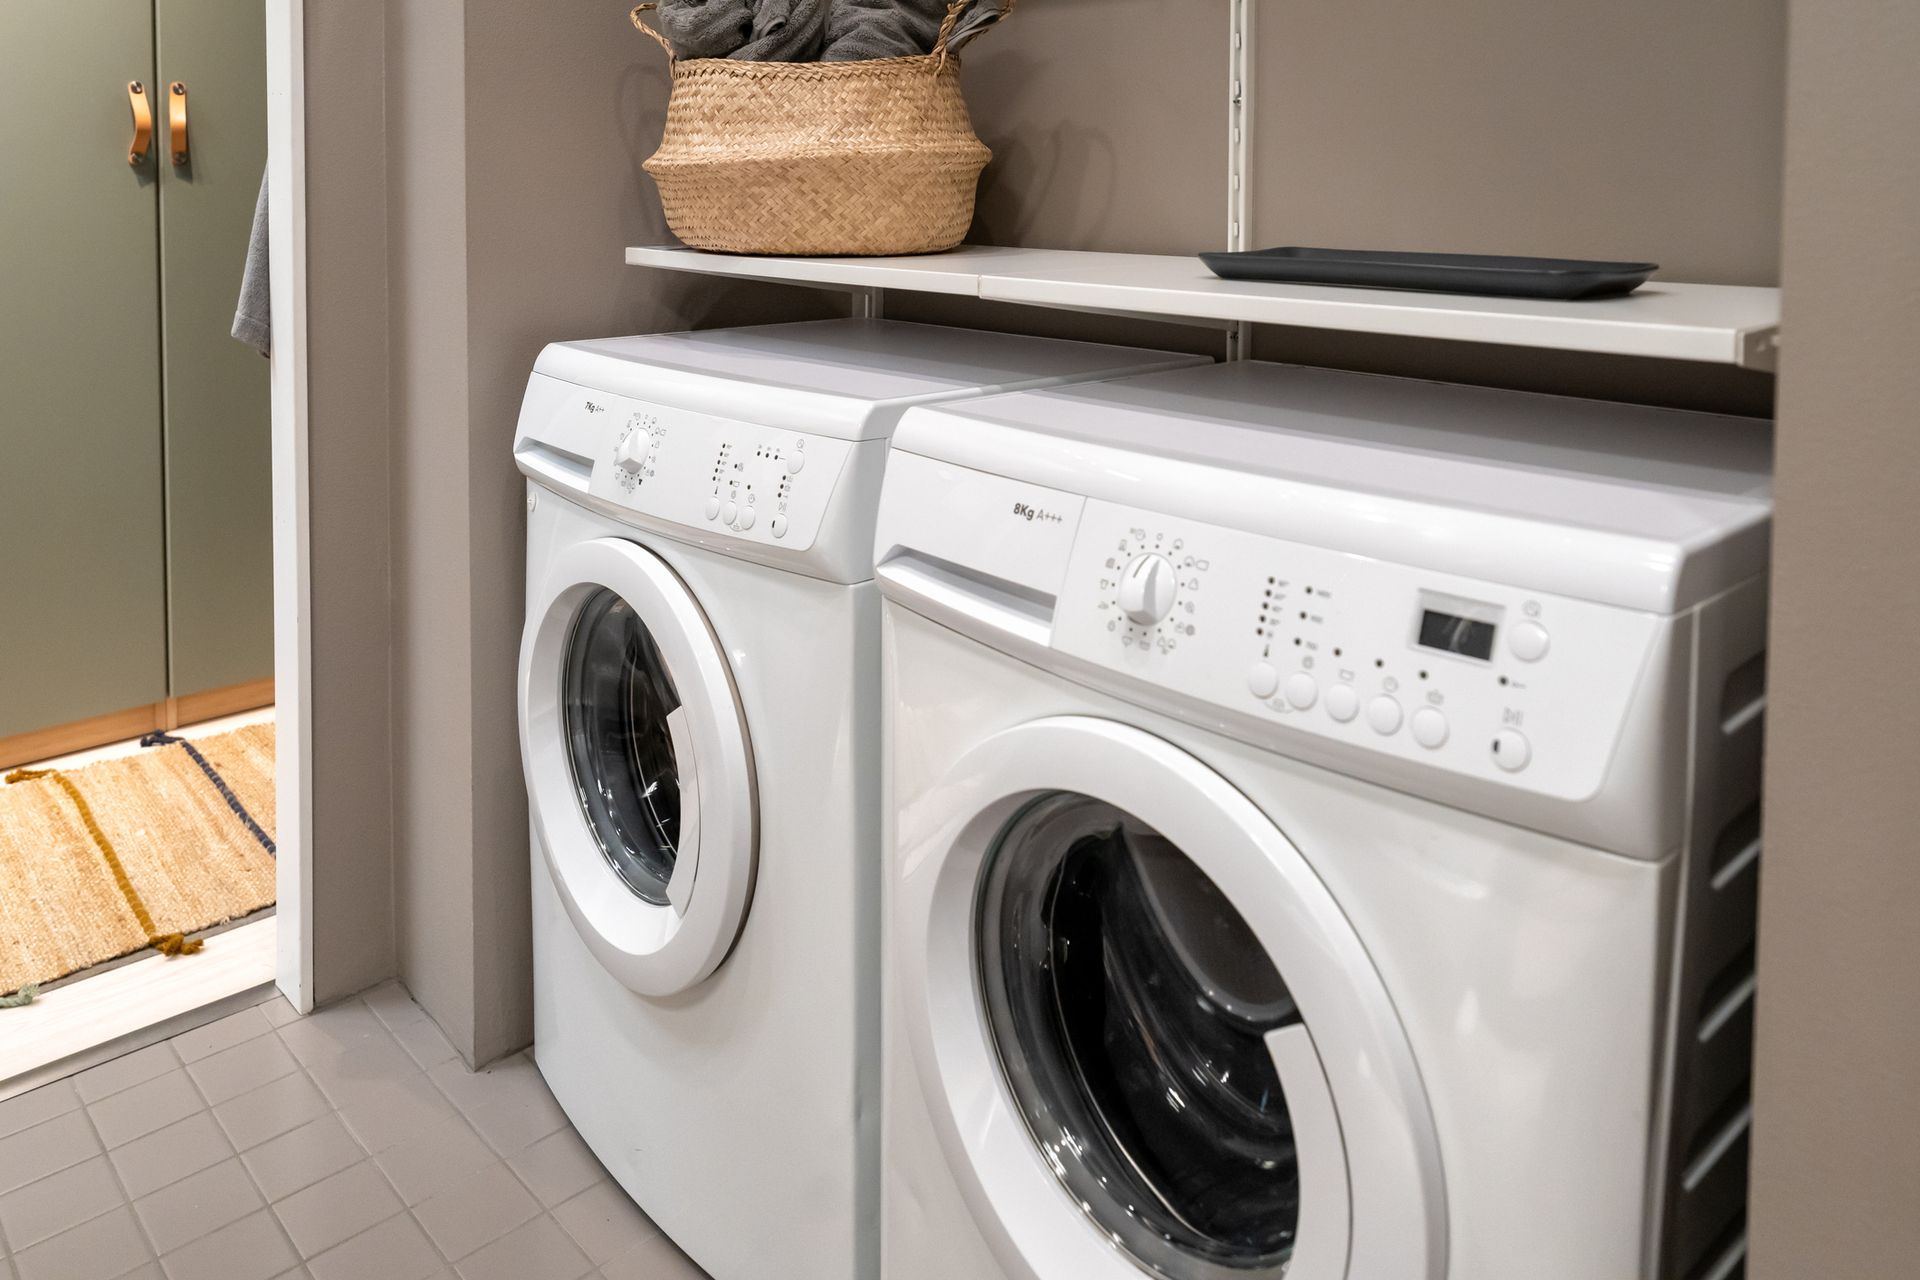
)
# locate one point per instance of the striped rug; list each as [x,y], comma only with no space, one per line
[133,852]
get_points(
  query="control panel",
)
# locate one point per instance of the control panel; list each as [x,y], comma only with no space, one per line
[1476,678]
[742,480]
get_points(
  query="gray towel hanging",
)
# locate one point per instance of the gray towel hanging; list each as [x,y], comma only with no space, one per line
[253,318]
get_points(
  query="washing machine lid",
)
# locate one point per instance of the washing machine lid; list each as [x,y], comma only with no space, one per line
[638,766]
[1149,1038]
[846,378]
[1648,508]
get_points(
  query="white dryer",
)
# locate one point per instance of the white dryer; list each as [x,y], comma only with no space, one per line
[1324,832]
[700,735]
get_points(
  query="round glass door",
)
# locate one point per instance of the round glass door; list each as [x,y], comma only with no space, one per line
[1148,1038]
[1130,1007]
[619,699]
[639,769]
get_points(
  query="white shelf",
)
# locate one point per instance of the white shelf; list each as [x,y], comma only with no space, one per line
[1720,324]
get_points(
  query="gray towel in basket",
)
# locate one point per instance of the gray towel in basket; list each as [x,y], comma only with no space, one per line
[861,29]
[705,28]
[813,30]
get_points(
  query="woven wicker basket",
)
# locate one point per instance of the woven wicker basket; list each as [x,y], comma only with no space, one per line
[819,158]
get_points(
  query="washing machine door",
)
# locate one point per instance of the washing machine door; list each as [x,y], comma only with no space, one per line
[1149,1037]
[638,765]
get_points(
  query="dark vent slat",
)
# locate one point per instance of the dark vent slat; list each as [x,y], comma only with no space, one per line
[1714,1191]
[1743,699]
[1727,1259]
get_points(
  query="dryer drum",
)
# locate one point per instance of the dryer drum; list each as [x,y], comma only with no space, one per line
[1129,1004]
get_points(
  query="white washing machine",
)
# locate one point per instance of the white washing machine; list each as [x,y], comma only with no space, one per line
[1325,820]
[700,735]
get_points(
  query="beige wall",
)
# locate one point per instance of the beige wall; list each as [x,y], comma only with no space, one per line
[1635,129]
[352,842]
[1836,1155]
[434,800]
[1639,130]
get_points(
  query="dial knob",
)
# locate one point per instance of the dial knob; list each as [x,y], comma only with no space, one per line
[1147,587]
[631,453]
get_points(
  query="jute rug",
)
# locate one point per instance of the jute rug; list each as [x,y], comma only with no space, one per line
[134,852]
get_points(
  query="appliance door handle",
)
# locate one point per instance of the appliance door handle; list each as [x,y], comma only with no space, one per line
[686,860]
[177,120]
[142,108]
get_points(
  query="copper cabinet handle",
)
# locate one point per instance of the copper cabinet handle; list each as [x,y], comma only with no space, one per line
[142,109]
[177,120]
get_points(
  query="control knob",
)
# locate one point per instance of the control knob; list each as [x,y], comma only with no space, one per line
[631,453]
[1147,587]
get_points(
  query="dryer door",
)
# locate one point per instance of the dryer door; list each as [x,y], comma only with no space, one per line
[637,764]
[1148,1035]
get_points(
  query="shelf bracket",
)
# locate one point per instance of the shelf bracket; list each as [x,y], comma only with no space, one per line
[1760,349]
[1240,68]
[869,303]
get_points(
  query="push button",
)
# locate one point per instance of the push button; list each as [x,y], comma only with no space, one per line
[1302,692]
[778,525]
[727,512]
[1429,727]
[1383,713]
[1511,750]
[713,508]
[795,461]
[1528,641]
[1343,704]
[745,522]
[1262,680]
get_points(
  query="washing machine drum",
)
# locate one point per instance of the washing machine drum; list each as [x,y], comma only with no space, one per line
[627,743]
[637,764]
[1130,1006]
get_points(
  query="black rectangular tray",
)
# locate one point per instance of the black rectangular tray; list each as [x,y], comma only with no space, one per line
[1476,273]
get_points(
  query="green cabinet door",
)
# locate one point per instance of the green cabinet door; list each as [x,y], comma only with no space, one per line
[82,570]
[218,444]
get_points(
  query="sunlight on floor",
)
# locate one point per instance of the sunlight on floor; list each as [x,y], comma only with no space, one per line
[121,1005]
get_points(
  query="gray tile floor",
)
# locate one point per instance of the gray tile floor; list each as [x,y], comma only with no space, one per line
[350,1145]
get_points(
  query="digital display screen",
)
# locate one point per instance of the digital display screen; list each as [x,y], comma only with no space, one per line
[1450,633]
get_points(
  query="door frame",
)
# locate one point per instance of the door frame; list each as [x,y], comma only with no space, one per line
[292,599]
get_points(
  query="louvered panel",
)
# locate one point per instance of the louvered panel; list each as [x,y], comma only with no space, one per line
[1704,1202]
